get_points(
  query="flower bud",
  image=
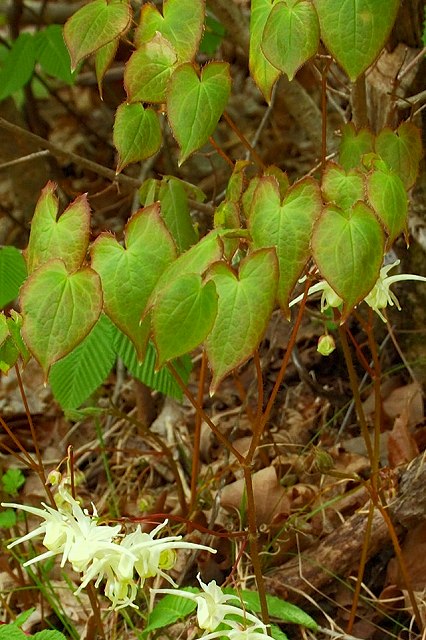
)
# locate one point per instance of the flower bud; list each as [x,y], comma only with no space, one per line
[326,345]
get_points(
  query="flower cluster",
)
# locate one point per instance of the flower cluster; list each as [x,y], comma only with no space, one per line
[213,609]
[100,551]
[379,297]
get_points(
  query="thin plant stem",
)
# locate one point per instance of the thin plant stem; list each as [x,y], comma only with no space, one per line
[221,152]
[259,377]
[324,73]
[361,568]
[29,461]
[253,542]
[40,467]
[222,439]
[93,597]
[197,432]
[244,140]
[353,379]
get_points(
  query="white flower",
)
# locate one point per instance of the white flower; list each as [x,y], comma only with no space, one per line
[329,297]
[381,296]
[213,607]
[68,530]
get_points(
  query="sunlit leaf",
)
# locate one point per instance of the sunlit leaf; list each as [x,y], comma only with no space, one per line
[13,272]
[262,71]
[148,70]
[137,134]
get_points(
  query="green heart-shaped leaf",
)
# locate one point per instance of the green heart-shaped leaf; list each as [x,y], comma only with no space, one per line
[387,196]
[66,238]
[13,272]
[245,305]
[182,25]
[262,71]
[182,316]
[95,25]
[130,274]
[402,151]
[354,145]
[287,226]
[291,35]
[103,59]
[342,188]
[137,134]
[195,104]
[355,31]
[348,249]
[148,71]
[54,323]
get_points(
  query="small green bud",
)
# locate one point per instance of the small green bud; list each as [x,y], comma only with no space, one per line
[326,345]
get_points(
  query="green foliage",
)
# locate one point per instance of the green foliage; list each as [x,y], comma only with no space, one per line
[213,35]
[169,610]
[137,134]
[12,480]
[12,274]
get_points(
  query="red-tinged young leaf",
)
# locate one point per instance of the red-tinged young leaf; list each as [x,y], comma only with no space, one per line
[66,238]
[246,302]
[148,71]
[285,225]
[348,248]
[262,71]
[183,315]
[195,104]
[355,31]
[54,324]
[227,216]
[387,196]
[137,134]
[130,274]
[181,24]
[354,145]
[235,184]
[291,35]
[103,59]
[402,151]
[341,187]
[95,25]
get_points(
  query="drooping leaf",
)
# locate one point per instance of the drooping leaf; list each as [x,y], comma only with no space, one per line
[348,248]
[148,70]
[175,212]
[291,35]
[181,24]
[387,196]
[354,145]
[54,323]
[18,66]
[137,134]
[262,71]
[66,238]
[52,54]
[280,609]
[130,274]
[341,187]
[285,225]
[245,305]
[95,25]
[103,59]
[13,272]
[355,31]
[195,103]
[74,378]
[161,380]
[402,151]
[182,316]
